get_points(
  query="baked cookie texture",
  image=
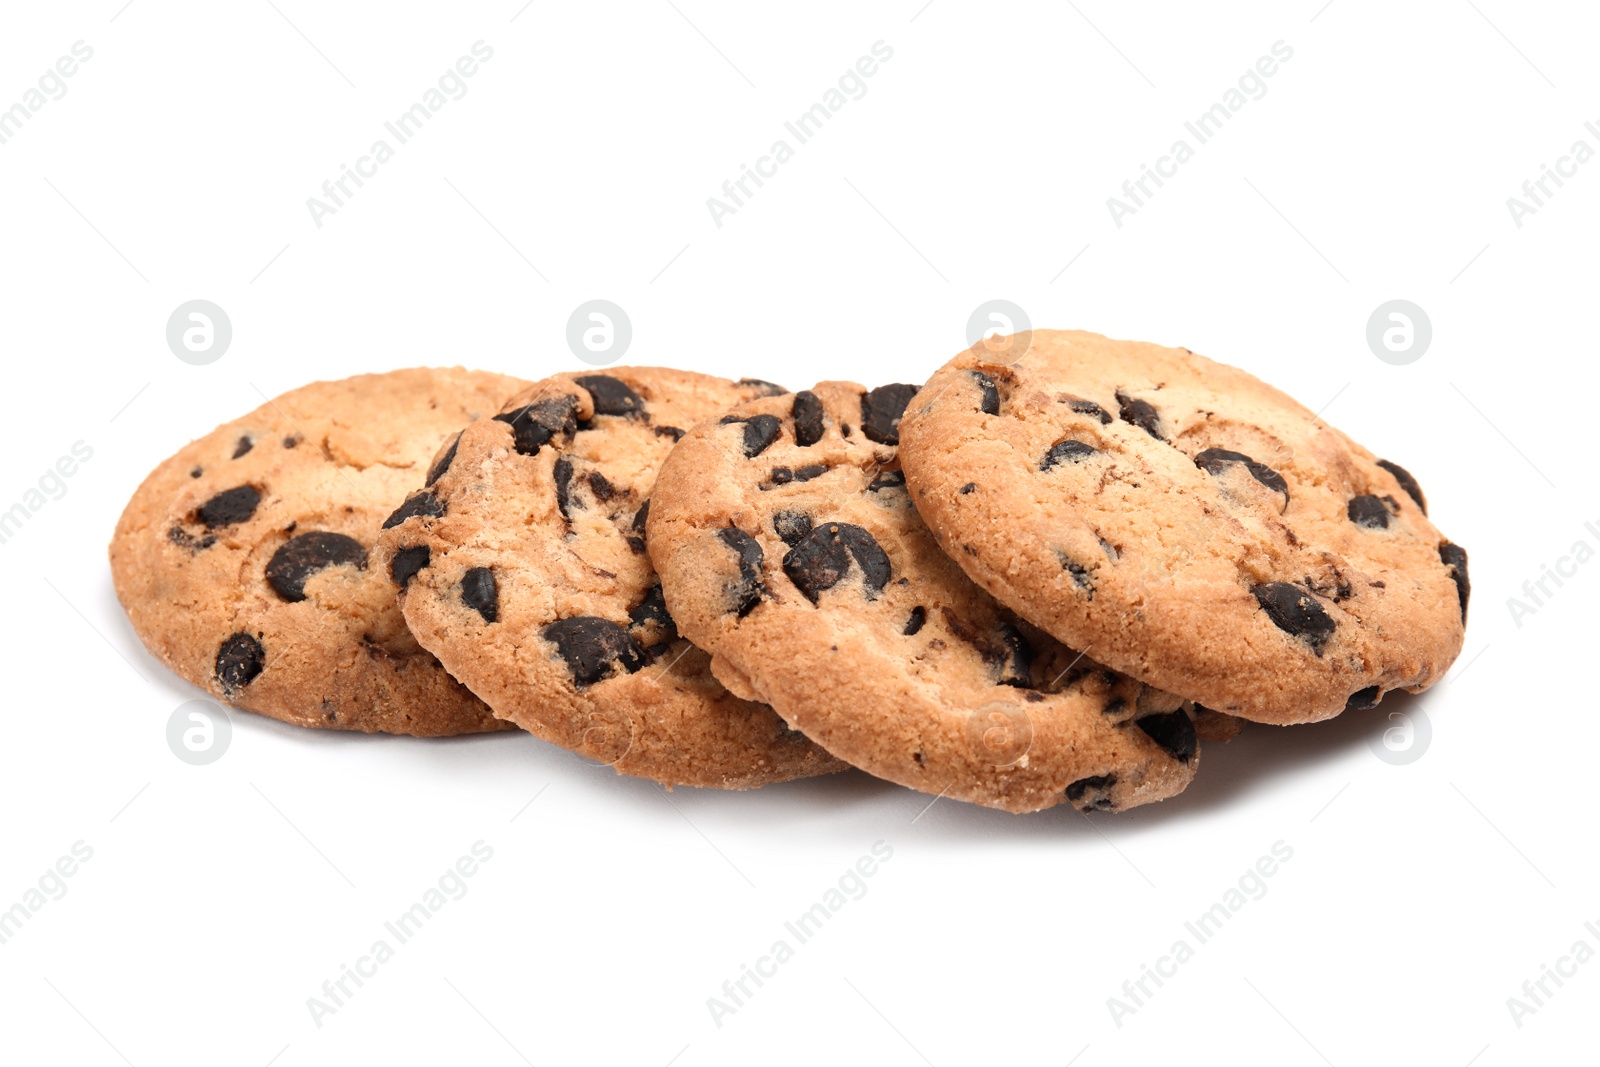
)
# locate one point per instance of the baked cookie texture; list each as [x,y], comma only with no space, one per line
[523,567]
[243,560]
[788,547]
[1186,523]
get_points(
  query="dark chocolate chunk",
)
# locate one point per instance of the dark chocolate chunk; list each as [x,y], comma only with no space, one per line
[1174,732]
[407,562]
[611,396]
[421,502]
[1215,460]
[767,388]
[1408,483]
[1014,667]
[989,401]
[1092,793]
[239,660]
[1295,612]
[807,415]
[590,646]
[184,539]
[781,476]
[881,410]
[651,622]
[229,506]
[636,538]
[759,433]
[535,425]
[1364,699]
[290,442]
[887,480]
[1068,451]
[481,593]
[1140,413]
[304,555]
[243,445]
[442,464]
[809,472]
[743,594]
[563,482]
[602,487]
[821,559]
[1089,407]
[969,487]
[1081,575]
[670,431]
[197,472]
[792,526]
[1368,511]
[1455,558]
[919,617]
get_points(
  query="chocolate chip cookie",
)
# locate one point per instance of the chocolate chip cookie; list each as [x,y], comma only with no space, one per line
[523,567]
[789,548]
[243,560]
[1186,524]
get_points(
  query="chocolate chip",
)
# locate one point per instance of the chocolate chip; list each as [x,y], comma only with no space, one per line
[969,487]
[881,410]
[781,475]
[1368,511]
[652,621]
[535,425]
[604,491]
[989,401]
[304,555]
[290,442]
[184,539]
[243,445]
[919,617]
[670,431]
[196,472]
[1089,407]
[636,539]
[442,464]
[239,660]
[766,388]
[1018,658]
[1364,699]
[745,593]
[421,502]
[481,593]
[407,562]
[1092,793]
[229,507]
[590,646]
[1174,732]
[887,480]
[807,415]
[1066,452]
[809,472]
[1295,612]
[1215,461]
[844,429]
[611,397]
[759,433]
[563,482]
[1408,483]
[1140,413]
[1081,575]
[1454,557]
[792,526]
[822,558]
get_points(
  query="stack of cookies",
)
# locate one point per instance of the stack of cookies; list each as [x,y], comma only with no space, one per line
[1045,576]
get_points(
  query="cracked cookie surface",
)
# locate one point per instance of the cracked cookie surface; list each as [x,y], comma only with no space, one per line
[523,566]
[1193,526]
[243,560]
[788,547]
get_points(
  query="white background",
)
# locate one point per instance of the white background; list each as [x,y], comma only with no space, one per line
[177,166]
